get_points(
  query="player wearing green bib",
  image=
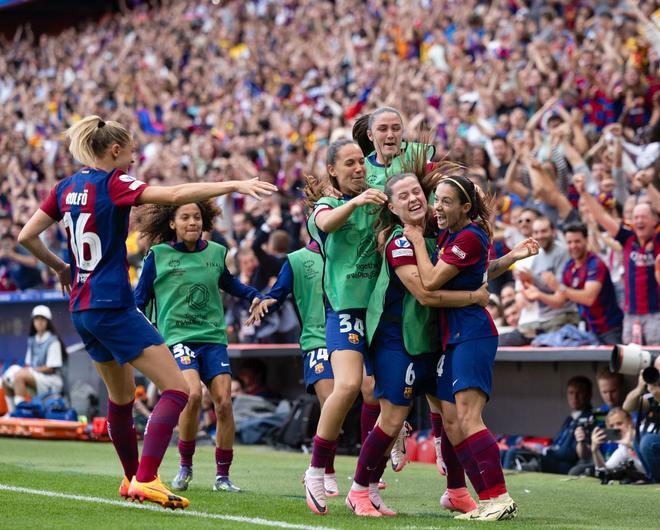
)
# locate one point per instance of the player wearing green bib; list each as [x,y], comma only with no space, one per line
[179,287]
[343,228]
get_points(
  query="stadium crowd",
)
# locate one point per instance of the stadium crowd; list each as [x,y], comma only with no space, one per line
[553,107]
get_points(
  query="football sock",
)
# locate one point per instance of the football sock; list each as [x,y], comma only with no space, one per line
[321,451]
[186,452]
[455,473]
[223,460]
[158,433]
[486,454]
[371,455]
[122,433]
[368,416]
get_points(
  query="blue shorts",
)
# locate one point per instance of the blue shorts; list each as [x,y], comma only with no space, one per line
[208,359]
[316,366]
[115,334]
[345,330]
[466,365]
[399,376]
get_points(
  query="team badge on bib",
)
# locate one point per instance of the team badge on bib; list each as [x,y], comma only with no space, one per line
[353,338]
[408,392]
[318,369]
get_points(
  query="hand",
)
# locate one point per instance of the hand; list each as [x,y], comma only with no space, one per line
[526,248]
[524,275]
[550,280]
[579,183]
[259,309]
[255,188]
[414,234]
[532,293]
[64,277]
[641,384]
[481,296]
[371,196]
[274,221]
[579,434]
[598,437]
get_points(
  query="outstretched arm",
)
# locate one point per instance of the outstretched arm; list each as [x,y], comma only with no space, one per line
[198,191]
[524,249]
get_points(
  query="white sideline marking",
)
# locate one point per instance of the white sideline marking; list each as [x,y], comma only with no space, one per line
[190,513]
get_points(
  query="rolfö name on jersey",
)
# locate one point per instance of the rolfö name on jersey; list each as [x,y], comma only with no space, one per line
[76,198]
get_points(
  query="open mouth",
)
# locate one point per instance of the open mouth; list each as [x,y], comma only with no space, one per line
[415,208]
[390,145]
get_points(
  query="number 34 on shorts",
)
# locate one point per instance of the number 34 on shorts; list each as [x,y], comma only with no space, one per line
[351,325]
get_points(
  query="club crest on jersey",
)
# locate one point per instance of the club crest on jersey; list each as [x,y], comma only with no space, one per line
[319,368]
[408,392]
[353,338]
[184,360]
[402,242]
[461,254]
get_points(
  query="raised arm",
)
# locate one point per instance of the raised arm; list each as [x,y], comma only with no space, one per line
[524,249]
[198,191]
[330,220]
[600,215]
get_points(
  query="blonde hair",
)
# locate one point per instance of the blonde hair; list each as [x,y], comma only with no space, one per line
[92,136]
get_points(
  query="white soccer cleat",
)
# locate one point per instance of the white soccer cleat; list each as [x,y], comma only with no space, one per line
[315,493]
[398,454]
[330,485]
[377,501]
[498,509]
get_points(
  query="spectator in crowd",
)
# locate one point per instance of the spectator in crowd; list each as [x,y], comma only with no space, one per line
[253,374]
[586,281]
[562,455]
[644,400]
[22,268]
[44,361]
[540,312]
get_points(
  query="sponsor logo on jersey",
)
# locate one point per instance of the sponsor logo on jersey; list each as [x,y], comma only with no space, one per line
[408,392]
[460,253]
[402,242]
[198,296]
[319,368]
[353,338]
[403,252]
[134,183]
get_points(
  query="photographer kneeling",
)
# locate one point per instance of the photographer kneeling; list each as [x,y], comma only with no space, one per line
[647,406]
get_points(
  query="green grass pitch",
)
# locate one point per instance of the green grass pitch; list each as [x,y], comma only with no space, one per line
[78,484]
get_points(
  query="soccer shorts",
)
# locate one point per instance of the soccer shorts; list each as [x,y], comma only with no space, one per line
[316,366]
[345,330]
[115,334]
[399,376]
[466,365]
[208,360]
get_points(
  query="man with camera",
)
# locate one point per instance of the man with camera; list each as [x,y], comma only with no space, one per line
[647,406]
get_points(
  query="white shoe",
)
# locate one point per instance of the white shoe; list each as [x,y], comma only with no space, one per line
[377,501]
[439,462]
[330,485]
[315,493]
[398,455]
[498,509]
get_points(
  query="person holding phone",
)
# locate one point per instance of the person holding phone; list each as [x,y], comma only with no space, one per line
[619,428]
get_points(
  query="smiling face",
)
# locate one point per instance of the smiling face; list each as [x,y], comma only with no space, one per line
[644,221]
[386,133]
[348,169]
[449,211]
[187,223]
[576,243]
[543,232]
[407,201]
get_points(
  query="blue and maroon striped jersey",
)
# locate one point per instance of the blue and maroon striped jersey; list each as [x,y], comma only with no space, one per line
[639,266]
[94,207]
[604,314]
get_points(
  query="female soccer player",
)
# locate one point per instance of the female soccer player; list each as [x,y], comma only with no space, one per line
[179,288]
[402,334]
[343,228]
[469,339]
[94,206]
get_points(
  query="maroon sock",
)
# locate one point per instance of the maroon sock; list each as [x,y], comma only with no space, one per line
[436,424]
[186,451]
[122,433]
[158,433]
[371,455]
[468,462]
[223,459]
[455,473]
[368,416]
[321,451]
[377,473]
[330,464]
[486,454]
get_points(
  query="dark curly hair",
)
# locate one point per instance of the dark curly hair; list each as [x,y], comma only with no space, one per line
[153,220]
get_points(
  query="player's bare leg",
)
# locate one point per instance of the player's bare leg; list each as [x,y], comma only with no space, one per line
[220,389]
[188,424]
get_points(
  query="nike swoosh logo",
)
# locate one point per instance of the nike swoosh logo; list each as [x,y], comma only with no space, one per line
[350,503]
[454,383]
[224,364]
[318,506]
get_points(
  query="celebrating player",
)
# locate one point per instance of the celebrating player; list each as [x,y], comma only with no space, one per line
[179,287]
[469,339]
[94,206]
[343,228]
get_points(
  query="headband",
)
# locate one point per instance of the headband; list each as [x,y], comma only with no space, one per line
[460,186]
